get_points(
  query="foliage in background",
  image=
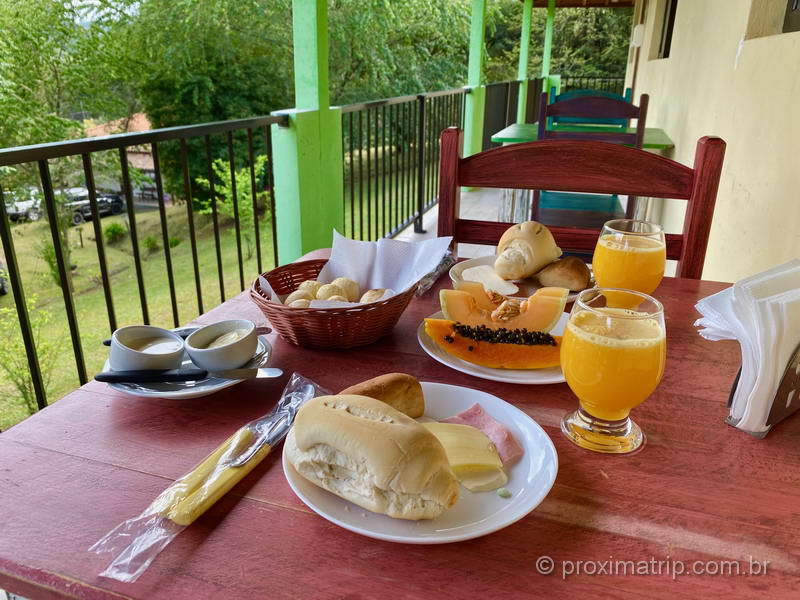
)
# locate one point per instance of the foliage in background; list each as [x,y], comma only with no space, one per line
[114,233]
[47,253]
[223,187]
[586,42]
[381,48]
[151,244]
[14,361]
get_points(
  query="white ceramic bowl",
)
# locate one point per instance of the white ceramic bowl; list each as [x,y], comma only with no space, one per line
[124,358]
[230,356]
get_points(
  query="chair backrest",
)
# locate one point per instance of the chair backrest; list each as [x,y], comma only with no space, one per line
[583,166]
[627,97]
[591,108]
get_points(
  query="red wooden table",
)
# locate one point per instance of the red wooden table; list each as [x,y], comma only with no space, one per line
[700,492]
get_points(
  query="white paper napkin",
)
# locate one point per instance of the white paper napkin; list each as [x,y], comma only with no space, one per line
[762,313]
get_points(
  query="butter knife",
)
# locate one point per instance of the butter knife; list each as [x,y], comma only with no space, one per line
[173,375]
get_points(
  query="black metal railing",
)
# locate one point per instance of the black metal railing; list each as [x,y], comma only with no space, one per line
[615,85]
[391,157]
[198,136]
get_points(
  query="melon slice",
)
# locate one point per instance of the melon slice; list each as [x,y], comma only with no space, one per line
[540,312]
[485,300]
[496,354]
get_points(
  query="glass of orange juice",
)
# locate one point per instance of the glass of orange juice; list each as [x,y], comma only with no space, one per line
[631,255]
[612,358]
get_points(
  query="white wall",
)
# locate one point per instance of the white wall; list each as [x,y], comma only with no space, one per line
[753,103]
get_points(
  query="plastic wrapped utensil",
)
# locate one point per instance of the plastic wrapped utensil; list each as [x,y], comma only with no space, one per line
[136,542]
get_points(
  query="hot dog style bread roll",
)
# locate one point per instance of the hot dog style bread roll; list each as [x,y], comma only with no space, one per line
[524,249]
[372,455]
[398,390]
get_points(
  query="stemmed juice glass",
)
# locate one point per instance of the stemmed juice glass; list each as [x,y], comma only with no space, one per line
[630,254]
[613,358]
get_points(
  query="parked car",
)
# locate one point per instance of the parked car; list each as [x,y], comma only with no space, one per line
[108,203]
[4,287]
[23,206]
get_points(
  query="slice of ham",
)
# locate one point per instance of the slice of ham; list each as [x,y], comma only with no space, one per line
[507,445]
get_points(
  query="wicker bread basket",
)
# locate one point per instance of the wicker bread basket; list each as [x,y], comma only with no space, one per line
[325,328]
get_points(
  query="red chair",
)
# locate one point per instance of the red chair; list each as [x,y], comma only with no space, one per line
[580,166]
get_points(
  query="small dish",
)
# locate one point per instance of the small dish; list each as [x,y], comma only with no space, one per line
[183,390]
[527,287]
[124,357]
[230,355]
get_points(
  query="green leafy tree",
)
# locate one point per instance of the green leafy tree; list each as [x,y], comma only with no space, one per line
[587,42]
[223,187]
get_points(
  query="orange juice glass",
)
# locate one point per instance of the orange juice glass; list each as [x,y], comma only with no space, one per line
[631,255]
[613,358]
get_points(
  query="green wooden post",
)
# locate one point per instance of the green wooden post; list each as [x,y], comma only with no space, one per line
[522,75]
[548,43]
[308,153]
[476,98]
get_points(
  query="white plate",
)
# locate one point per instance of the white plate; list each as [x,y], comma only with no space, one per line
[526,286]
[527,376]
[189,389]
[475,514]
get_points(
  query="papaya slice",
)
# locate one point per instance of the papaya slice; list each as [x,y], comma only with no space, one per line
[540,351]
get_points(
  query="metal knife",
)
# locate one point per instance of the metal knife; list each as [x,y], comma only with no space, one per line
[173,375]
[185,332]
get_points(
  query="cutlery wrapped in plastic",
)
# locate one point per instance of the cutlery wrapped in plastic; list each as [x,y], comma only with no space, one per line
[136,542]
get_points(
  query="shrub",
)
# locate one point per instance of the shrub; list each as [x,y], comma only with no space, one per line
[47,252]
[114,233]
[14,361]
[151,244]
[174,241]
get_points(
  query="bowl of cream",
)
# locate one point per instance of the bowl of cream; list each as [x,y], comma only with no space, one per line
[144,347]
[224,345]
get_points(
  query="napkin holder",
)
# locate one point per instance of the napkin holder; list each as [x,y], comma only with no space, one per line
[786,401]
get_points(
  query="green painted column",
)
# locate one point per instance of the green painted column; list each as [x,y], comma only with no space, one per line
[476,99]
[308,153]
[548,43]
[524,46]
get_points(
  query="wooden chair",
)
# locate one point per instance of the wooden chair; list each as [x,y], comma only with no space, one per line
[577,165]
[592,109]
[627,97]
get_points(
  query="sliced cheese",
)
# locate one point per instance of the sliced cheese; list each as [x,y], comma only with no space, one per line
[486,275]
[472,456]
[482,480]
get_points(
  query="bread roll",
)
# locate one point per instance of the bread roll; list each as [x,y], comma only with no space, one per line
[328,290]
[372,455]
[570,272]
[311,286]
[524,249]
[298,295]
[349,287]
[336,299]
[400,391]
[302,303]
[372,295]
